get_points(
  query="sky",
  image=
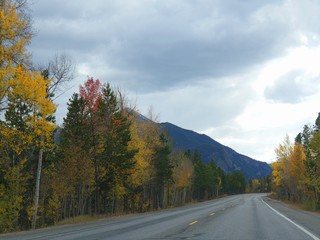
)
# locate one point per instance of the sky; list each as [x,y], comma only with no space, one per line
[245,73]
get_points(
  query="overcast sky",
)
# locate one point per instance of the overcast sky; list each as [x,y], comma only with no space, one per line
[246,73]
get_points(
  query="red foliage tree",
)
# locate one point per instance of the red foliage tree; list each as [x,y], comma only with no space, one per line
[92,93]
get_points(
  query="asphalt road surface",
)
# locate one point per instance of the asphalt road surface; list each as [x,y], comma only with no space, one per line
[247,216]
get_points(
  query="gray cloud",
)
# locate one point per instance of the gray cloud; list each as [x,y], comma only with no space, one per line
[200,107]
[194,61]
[161,45]
[292,87]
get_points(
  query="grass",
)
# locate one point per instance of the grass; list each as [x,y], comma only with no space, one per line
[306,205]
[80,219]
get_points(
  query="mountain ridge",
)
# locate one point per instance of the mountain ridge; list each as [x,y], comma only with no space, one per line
[224,157]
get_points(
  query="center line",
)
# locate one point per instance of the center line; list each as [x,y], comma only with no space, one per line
[192,223]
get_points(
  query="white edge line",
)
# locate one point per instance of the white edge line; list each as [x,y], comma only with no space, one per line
[289,220]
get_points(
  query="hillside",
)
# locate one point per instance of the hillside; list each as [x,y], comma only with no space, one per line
[225,157]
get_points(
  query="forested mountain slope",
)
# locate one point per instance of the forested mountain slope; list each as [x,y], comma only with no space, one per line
[225,157]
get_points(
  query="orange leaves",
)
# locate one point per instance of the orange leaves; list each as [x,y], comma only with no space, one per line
[92,93]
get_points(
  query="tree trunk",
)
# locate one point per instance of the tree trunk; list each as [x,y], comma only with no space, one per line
[184,195]
[36,195]
[164,196]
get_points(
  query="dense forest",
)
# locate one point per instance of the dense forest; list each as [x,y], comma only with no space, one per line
[296,173]
[103,160]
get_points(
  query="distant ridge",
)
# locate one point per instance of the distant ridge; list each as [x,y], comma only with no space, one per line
[209,149]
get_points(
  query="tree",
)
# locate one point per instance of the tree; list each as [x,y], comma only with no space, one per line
[27,116]
[292,170]
[22,91]
[306,137]
[298,139]
[115,156]
[60,70]
[281,173]
[317,123]
[183,171]
[77,165]
[12,190]
[15,35]
[236,183]
[163,171]
[91,92]
[145,134]
[296,170]
[208,180]
[142,171]
[313,167]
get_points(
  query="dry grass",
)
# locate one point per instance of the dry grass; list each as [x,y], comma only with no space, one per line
[80,219]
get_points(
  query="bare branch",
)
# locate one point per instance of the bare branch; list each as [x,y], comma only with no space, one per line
[152,116]
[126,106]
[61,70]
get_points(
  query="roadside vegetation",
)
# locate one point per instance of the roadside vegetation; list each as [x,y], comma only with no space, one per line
[296,173]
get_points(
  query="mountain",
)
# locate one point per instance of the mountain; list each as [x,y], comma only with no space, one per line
[209,149]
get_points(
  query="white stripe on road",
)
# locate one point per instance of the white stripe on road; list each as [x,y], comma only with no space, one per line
[289,220]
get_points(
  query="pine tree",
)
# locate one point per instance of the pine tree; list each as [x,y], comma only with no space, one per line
[114,153]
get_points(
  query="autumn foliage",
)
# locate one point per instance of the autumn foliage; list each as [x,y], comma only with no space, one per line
[25,119]
[104,159]
[296,173]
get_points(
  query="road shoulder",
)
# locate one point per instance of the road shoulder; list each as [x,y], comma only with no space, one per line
[306,219]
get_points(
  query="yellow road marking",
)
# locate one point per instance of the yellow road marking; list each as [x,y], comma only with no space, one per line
[192,223]
[211,214]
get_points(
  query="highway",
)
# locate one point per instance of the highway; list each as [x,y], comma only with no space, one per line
[246,216]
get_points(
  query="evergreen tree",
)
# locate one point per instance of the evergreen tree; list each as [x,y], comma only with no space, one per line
[115,156]
[298,139]
[163,171]
[317,123]
[306,137]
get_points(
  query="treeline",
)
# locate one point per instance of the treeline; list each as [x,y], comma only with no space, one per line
[261,185]
[105,159]
[296,173]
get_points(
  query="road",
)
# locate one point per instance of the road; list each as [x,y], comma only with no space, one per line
[247,216]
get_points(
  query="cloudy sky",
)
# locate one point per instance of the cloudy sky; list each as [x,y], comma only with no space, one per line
[246,73]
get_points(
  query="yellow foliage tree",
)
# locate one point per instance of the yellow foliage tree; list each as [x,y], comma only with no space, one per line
[19,84]
[313,171]
[183,172]
[15,34]
[141,171]
[276,174]
[289,170]
[280,168]
[144,138]
[296,170]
